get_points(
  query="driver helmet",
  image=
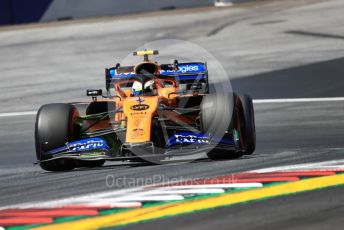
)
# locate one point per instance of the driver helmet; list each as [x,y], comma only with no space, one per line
[137,87]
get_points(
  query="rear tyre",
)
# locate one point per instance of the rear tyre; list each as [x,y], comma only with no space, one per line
[53,128]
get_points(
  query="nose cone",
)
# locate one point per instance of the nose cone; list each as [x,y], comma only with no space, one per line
[139,112]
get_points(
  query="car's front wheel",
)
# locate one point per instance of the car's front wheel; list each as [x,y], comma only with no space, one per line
[222,115]
[246,125]
[55,127]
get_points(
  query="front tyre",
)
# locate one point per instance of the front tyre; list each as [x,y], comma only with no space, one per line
[217,118]
[247,125]
[53,128]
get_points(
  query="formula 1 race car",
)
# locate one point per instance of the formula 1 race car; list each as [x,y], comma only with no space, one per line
[150,112]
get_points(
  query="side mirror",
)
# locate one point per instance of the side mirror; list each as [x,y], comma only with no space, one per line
[94,92]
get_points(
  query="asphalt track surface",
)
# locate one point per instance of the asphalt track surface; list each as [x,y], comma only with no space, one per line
[274,49]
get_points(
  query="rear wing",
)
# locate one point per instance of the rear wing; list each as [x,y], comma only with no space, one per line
[187,74]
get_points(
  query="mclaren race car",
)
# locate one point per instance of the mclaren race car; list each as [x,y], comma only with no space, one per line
[150,112]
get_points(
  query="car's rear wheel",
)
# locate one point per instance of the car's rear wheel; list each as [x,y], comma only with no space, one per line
[53,128]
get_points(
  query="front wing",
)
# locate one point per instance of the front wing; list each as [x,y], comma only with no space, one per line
[179,144]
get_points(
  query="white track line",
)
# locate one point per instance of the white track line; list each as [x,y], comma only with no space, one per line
[75,199]
[14,114]
[335,164]
[112,205]
[287,100]
[185,191]
[225,186]
[134,198]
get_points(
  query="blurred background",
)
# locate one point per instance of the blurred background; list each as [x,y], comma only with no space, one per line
[18,11]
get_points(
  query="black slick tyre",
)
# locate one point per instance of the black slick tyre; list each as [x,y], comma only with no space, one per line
[53,128]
